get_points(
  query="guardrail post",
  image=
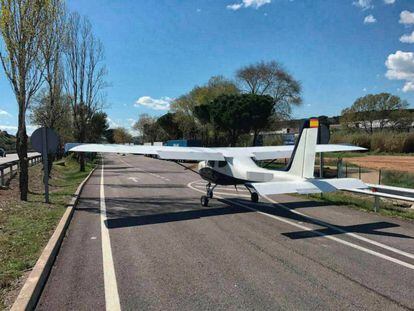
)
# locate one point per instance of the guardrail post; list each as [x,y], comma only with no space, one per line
[376,203]
[2,177]
[379,177]
[359,172]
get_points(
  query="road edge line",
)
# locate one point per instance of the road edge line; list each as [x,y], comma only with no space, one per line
[33,287]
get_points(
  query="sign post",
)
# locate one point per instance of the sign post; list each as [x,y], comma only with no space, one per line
[45,141]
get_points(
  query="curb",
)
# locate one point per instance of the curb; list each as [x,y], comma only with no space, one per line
[32,288]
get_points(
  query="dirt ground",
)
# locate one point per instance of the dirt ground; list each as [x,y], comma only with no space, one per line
[397,163]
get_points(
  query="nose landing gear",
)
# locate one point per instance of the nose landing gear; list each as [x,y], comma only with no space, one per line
[205,198]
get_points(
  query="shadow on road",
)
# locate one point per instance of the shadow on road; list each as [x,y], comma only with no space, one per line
[136,211]
[327,228]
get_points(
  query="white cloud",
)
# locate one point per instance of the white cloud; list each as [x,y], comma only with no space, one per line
[407,38]
[162,103]
[112,123]
[12,129]
[363,4]
[248,4]
[4,113]
[8,128]
[408,87]
[407,18]
[389,1]
[364,89]
[400,66]
[370,19]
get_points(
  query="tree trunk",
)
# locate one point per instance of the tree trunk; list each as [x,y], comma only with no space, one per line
[255,134]
[21,148]
[82,155]
[82,161]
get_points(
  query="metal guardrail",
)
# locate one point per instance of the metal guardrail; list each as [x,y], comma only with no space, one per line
[389,192]
[10,165]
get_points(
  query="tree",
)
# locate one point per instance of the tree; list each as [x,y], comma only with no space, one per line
[261,109]
[85,75]
[97,127]
[149,129]
[375,111]
[22,25]
[184,106]
[53,114]
[51,50]
[121,136]
[237,114]
[270,78]
[170,126]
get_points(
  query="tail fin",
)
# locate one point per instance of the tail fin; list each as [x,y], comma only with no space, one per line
[302,161]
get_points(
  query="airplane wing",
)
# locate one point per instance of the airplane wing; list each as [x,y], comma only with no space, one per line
[163,152]
[205,154]
[308,186]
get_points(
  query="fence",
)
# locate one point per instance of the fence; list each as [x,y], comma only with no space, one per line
[334,168]
[11,167]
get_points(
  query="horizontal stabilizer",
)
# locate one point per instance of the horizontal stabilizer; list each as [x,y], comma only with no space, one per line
[308,186]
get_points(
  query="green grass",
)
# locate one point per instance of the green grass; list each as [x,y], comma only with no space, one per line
[25,227]
[397,179]
[364,203]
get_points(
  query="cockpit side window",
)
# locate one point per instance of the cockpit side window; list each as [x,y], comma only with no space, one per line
[210,163]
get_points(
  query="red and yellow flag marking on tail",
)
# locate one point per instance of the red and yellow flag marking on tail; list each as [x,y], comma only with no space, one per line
[314,123]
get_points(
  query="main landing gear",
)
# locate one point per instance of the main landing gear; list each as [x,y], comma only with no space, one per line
[205,198]
[254,197]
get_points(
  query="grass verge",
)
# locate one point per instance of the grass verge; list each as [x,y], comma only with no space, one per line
[398,179]
[25,227]
[365,203]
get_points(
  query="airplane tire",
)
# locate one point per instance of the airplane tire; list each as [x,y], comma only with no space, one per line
[204,200]
[255,197]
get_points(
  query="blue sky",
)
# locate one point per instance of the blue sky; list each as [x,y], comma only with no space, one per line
[157,50]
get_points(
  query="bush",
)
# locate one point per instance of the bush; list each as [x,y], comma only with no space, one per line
[409,144]
[377,142]
[361,140]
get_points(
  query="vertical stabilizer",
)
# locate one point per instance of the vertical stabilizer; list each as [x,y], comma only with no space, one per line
[302,163]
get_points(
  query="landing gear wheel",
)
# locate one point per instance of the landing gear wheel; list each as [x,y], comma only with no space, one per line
[204,200]
[254,197]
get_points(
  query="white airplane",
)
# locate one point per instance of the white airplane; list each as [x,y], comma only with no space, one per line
[237,166]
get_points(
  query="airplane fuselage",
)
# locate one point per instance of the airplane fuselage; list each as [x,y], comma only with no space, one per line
[237,171]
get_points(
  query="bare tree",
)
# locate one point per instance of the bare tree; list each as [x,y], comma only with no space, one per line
[270,78]
[51,49]
[85,74]
[22,25]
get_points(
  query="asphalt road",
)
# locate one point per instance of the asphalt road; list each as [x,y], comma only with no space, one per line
[139,239]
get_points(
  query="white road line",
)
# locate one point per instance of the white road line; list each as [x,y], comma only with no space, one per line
[361,248]
[134,179]
[356,236]
[144,171]
[111,287]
